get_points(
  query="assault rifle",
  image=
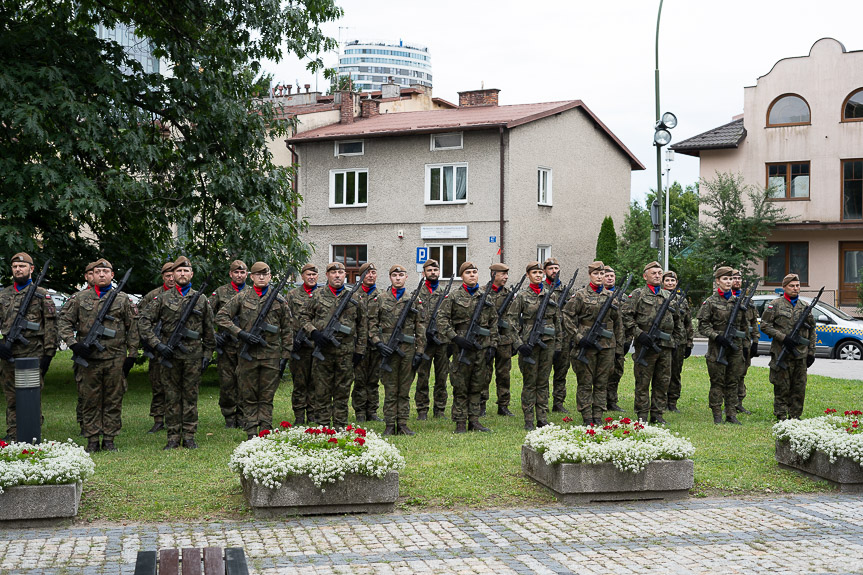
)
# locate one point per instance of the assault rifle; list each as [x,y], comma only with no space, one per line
[431,329]
[98,329]
[591,338]
[260,324]
[16,333]
[564,295]
[504,306]
[655,333]
[473,329]
[148,351]
[731,331]
[397,336]
[793,339]
[175,341]
[538,330]
[747,301]
[333,326]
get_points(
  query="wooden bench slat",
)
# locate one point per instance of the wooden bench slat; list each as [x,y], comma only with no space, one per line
[214,563]
[235,561]
[191,561]
[169,562]
[146,563]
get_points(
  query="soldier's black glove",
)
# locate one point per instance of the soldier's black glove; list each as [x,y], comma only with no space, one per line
[165,351]
[723,341]
[688,351]
[791,342]
[251,338]
[221,339]
[44,363]
[583,343]
[490,352]
[205,363]
[81,350]
[644,339]
[525,350]
[463,343]
[450,350]
[5,351]
[417,360]
[358,357]
[555,356]
[318,337]
[753,350]
[810,359]
[384,349]
[127,365]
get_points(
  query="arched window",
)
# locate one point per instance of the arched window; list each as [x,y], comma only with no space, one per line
[788,110]
[852,109]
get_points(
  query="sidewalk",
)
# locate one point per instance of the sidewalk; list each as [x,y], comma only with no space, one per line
[795,534]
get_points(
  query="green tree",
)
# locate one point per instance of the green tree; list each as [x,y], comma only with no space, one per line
[606,243]
[98,157]
[634,244]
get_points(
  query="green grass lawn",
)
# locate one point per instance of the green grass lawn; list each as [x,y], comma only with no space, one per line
[144,483]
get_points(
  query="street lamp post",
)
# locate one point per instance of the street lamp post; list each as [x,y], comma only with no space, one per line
[661,136]
[669,157]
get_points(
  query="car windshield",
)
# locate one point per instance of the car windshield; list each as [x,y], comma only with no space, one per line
[835,311]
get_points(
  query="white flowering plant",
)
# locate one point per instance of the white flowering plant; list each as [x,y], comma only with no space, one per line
[323,454]
[833,434]
[48,463]
[629,445]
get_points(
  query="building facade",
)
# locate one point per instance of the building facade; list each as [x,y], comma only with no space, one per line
[801,135]
[371,64]
[141,49]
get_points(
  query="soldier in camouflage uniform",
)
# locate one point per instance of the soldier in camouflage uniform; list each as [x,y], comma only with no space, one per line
[623,345]
[560,362]
[258,378]
[103,381]
[89,281]
[366,395]
[157,403]
[302,395]
[183,378]
[651,380]
[332,376]
[750,340]
[437,353]
[385,309]
[522,316]
[713,318]
[42,341]
[501,366]
[579,315]
[777,322]
[468,375]
[683,312]
[229,386]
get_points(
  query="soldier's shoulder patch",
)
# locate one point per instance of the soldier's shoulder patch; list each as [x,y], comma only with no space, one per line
[419,300]
[770,306]
[214,293]
[375,298]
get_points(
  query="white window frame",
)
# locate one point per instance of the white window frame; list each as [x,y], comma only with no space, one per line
[339,142]
[548,192]
[434,148]
[455,166]
[358,171]
[454,263]
[543,252]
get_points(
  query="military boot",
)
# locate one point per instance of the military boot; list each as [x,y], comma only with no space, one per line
[108,444]
[482,409]
[504,410]
[559,408]
[733,419]
[439,413]
[301,419]
[587,417]
[158,425]
[717,417]
[614,407]
[361,418]
[475,425]
[404,429]
[460,427]
[540,422]
[528,425]
[92,445]
[741,409]
[673,407]
[230,423]
[390,429]
[373,417]
[422,415]
[643,416]
[657,419]
[190,443]
[174,444]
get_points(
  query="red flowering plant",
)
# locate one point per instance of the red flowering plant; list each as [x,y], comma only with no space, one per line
[49,463]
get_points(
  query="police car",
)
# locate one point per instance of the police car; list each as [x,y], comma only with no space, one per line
[840,336]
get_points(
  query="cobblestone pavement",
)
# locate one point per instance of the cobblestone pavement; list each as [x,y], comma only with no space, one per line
[799,534]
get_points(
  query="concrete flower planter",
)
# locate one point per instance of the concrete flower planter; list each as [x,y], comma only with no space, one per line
[574,483]
[299,496]
[30,502]
[845,473]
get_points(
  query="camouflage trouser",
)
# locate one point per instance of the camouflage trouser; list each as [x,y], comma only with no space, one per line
[561,367]
[723,383]
[181,397]
[332,378]
[258,381]
[789,388]
[534,377]
[439,356]
[229,385]
[102,390]
[397,386]
[674,384]
[303,393]
[7,380]
[651,382]
[365,397]
[500,367]
[157,404]
[467,384]
[591,392]
[741,384]
[614,379]
[76,371]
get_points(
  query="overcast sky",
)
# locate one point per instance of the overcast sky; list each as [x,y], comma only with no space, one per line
[602,52]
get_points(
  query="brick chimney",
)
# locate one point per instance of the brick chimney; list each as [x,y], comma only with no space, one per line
[370,108]
[472,98]
[346,107]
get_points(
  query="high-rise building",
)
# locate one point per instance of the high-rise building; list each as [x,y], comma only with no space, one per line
[371,63]
[141,49]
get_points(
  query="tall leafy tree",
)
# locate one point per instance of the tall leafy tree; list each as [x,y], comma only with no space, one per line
[606,243]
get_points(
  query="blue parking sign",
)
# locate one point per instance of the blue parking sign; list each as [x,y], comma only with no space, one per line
[422,255]
[492,239]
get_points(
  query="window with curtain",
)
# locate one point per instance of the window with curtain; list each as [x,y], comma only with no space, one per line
[446,184]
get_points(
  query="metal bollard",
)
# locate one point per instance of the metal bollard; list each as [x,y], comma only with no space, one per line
[28,399]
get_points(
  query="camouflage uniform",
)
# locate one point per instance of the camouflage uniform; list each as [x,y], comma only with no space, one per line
[561,364]
[752,336]
[229,385]
[157,403]
[619,361]
[683,313]
[712,320]
[789,385]
[102,382]
[579,315]
[365,396]
[501,366]
[522,315]
[302,395]
[332,377]
[651,380]
[468,379]
[43,341]
[437,354]
[76,372]
[182,380]
[384,311]
[258,378]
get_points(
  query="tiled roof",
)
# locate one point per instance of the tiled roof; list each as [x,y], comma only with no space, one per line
[728,136]
[461,118]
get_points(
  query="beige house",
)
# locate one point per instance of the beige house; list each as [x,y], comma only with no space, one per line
[479,182]
[801,133]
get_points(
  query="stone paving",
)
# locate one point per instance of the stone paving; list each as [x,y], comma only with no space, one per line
[795,534]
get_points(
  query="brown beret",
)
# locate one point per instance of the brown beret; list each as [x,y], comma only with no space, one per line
[22,257]
[181,262]
[89,267]
[532,266]
[651,265]
[398,268]
[597,265]
[550,262]
[609,269]
[238,265]
[466,266]
[722,271]
[167,267]
[430,263]
[669,274]
[335,266]
[259,267]
[790,278]
[103,263]
[499,267]
[367,266]
[309,268]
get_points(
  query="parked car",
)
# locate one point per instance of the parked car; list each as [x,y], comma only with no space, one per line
[59,298]
[840,336]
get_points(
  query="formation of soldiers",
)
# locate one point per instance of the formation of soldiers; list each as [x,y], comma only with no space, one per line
[338,338]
